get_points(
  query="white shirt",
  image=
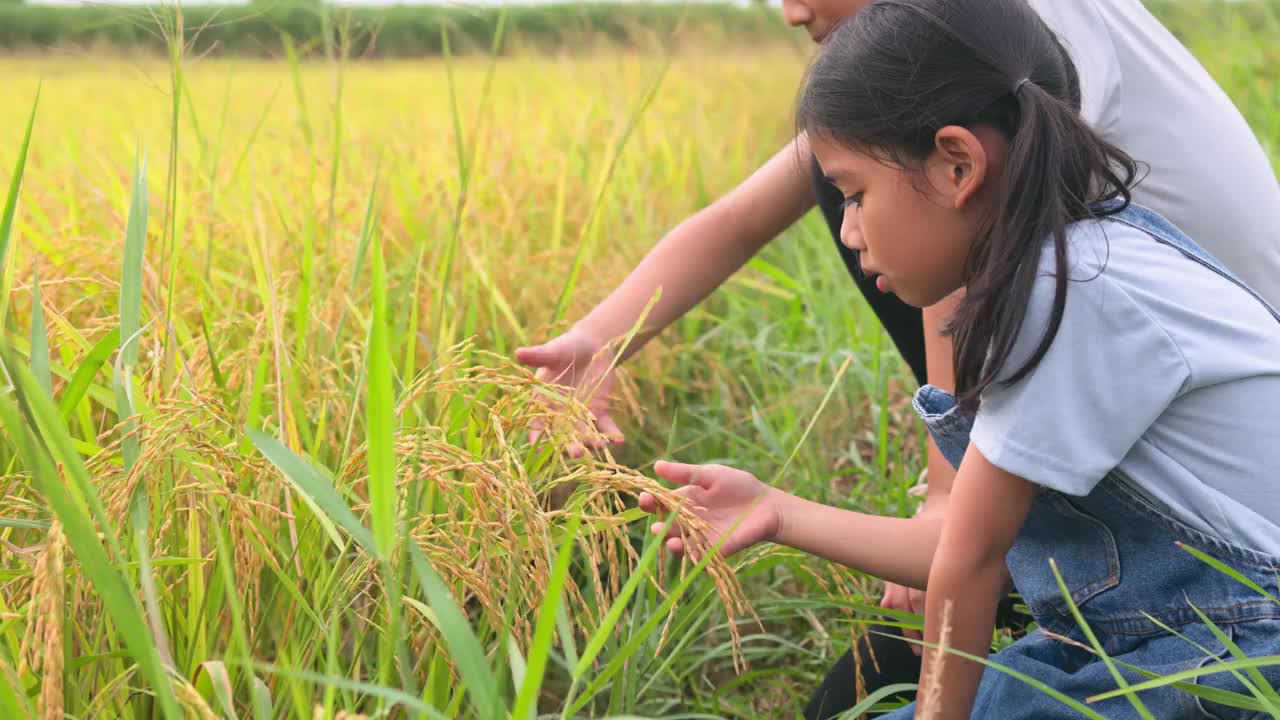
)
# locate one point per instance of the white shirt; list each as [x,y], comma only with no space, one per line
[1144,92]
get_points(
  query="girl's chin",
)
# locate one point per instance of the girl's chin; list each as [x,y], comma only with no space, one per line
[909,298]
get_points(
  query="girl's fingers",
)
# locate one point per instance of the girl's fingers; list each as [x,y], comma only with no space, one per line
[536,356]
[678,473]
[550,353]
[660,528]
[588,439]
[648,502]
[608,433]
[610,428]
[675,546]
[536,428]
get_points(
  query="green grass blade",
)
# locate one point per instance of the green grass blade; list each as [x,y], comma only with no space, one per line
[464,647]
[656,617]
[1038,685]
[42,444]
[1222,697]
[11,205]
[611,618]
[176,41]
[381,417]
[597,640]
[875,698]
[391,695]
[1175,678]
[324,500]
[368,230]
[39,339]
[135,238]
[24,524]
[1137,703]
[214,682]
[75,390]
[263,709]
[544,631]
[1257,685]
[139,515]
[13,702]
[337,60]
[1229,572]
[519,671]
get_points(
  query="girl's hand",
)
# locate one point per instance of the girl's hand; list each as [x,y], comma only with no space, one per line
[578,362]
[721,496]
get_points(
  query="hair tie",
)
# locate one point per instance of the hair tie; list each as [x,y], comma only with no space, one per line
[1018,88]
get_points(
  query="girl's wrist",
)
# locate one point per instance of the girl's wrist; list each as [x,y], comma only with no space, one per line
[785,507]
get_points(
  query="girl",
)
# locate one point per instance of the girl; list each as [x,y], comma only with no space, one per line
[1115,382]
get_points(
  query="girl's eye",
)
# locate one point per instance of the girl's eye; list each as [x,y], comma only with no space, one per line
[854,199]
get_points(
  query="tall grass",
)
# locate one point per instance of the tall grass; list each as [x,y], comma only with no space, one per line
[265,453]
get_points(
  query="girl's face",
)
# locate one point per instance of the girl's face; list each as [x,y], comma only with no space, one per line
[913,229]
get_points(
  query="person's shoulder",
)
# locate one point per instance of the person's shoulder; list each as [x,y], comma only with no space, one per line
[1071,18]
[1091,246]
[1106,279]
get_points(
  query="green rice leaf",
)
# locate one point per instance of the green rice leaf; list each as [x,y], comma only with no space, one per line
[464,647]
[1229,572]
[380,417]
[543,633]
[11,205]
[39,339]
[43,443]
[316,491]
[1137,703]
[75,390]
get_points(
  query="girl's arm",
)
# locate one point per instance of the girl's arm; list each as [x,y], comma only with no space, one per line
[741,511]
[986,510]
[899,550]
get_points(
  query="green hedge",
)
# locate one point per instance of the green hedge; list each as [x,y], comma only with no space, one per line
[380,32]
[416,30]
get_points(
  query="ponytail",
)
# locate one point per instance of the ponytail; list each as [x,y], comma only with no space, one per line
[1058,171]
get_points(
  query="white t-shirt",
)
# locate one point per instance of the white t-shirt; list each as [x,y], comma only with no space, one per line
[1145,92]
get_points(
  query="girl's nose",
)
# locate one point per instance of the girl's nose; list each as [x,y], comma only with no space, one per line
[796,13]
[850,233]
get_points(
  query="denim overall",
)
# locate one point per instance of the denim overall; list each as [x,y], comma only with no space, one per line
[1119,556]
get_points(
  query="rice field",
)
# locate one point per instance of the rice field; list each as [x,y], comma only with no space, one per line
[265,450]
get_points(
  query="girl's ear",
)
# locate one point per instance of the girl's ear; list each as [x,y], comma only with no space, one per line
[958,166]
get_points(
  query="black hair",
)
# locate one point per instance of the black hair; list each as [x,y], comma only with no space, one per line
[889,78]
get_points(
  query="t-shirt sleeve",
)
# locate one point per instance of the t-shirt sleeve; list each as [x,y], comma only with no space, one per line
[1108,375]
[1086,34]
